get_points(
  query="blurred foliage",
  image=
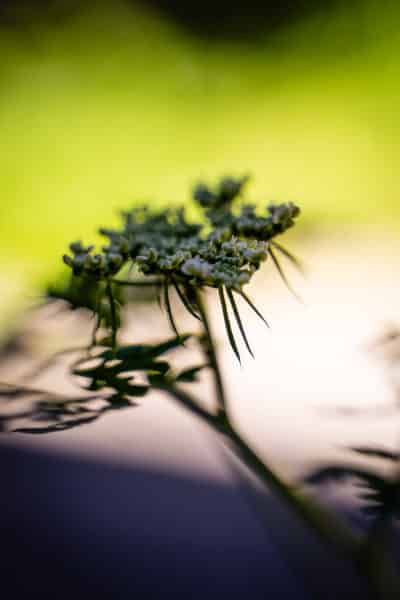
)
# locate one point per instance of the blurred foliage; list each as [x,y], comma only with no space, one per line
[372,469]
[219,18]
[111,383]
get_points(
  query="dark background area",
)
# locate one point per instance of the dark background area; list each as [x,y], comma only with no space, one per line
[216,18]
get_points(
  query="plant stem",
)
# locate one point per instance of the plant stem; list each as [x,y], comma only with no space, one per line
[190,404]
[329,528]
[323,522]
[209,348]
[113,314]
[137,283]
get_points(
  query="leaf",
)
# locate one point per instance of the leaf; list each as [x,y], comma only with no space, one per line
[114,403]
[377,453]
[113,365]
[169,309]
[61,426]
[380,494]
[145,350]
[249,302]
[126,388]
[282,274]
[15,391]
[157,379]
[185,301]
[338,473]
[105,372]
[171,344]
[228,323]
[117,402]
[77,292]
[291,257]
[238,320]
[189,375]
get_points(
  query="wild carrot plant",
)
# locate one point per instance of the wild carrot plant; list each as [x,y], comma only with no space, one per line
[166,251]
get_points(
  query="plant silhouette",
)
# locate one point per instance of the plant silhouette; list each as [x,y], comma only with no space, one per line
[166,252]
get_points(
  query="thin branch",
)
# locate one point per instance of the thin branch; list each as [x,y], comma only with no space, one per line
[211,354]
[323,522]
[329,527]
[97,318]
[159,287]
[113,314]
[192,405]
[137,283]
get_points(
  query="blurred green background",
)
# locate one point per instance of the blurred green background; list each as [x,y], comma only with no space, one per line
[118,103]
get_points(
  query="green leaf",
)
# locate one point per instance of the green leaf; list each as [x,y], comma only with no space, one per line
[105,372]
[156,379]
[377,453]
[60,426]
[126,388]
[250,303]
[169,308]
[136,351]
[291,257]
[185,301]
[171,344]
[11,391]
[379,493]
[238,320]
[228,323]
[189,375]
[282,274]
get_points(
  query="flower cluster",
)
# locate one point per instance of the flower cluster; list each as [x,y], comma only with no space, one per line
[225,250]
[222,196]
[98,266]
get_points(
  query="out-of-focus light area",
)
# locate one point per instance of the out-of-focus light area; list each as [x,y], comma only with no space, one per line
[106,104]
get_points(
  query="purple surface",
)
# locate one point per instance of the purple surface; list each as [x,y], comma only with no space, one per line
[73,527]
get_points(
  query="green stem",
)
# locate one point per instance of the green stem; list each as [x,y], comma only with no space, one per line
[209,347]
[184,300]
[190,404]
[113,314]
[168,308]
[132,283]
[329,528]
